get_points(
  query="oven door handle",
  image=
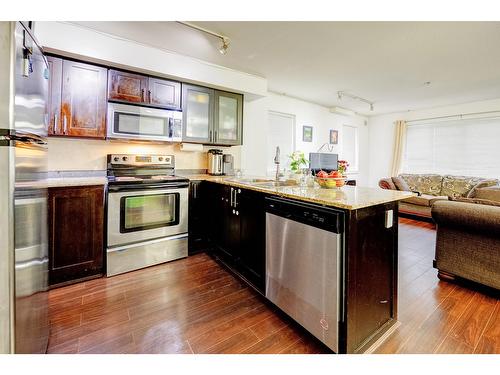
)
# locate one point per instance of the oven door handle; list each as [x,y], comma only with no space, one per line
[135,187]
[129,246]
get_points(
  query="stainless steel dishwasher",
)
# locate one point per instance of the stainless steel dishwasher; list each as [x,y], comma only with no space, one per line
[303,249]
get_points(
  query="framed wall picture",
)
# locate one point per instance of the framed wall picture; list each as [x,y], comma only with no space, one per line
[334,137]
[307,133]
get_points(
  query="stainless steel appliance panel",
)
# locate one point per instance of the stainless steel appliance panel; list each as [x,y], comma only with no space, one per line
[133,122]
[302,275]
[23,197]
[118,236]
[131,257]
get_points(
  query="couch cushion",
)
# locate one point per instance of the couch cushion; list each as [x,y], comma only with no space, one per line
[386,183]
[458,186]
[491,193]
[424,183]
[481,185]
[425,200]
[400,184]
[477,201]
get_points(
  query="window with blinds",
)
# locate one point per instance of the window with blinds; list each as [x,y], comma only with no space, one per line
[469,147]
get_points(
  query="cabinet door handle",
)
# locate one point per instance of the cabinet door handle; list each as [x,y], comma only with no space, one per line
[65,124]
[142,95]
[194,190]
[232,191]
[149,96]
[235,195]
[210,136]
[384,301]
[215,135]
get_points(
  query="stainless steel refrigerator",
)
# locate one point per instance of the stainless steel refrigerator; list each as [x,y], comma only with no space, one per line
[23,197]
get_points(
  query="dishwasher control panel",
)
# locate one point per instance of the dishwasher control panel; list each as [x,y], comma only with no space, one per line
[306,213]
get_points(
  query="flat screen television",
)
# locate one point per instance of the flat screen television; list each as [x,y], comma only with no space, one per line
[323,161]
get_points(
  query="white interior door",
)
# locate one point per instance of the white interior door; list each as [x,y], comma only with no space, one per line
[282,134]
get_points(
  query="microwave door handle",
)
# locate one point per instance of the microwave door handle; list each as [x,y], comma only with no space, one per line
[170,127]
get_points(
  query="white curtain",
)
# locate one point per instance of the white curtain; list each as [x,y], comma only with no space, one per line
[399,146]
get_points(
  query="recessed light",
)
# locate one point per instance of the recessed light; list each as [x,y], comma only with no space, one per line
[428,83]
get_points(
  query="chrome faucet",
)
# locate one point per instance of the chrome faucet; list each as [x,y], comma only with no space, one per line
[277,162]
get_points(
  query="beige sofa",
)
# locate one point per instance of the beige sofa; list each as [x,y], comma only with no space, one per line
[432,188]
[468,238]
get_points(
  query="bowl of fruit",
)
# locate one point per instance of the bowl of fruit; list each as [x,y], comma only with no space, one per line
[331,180]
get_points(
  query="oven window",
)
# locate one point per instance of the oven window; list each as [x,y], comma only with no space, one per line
[142,212]
[130,123]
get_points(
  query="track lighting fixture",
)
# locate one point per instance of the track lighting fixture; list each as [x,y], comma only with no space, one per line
[341,94]
[224,39]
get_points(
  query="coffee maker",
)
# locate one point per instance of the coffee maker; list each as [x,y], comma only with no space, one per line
[215,162]
[228,165]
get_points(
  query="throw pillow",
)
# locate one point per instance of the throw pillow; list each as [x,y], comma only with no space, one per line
[481,185]
[400,184]
[386,183]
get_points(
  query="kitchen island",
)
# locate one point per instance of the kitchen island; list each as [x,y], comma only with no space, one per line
[353,283]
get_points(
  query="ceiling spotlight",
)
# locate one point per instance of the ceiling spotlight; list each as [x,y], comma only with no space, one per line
[224,46]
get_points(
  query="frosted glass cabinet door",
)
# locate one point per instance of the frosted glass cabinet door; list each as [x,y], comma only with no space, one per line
[228,118]
[198,103]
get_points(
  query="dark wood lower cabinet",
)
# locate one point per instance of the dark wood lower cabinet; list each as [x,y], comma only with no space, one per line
[196,218]
[236,230]
[76,227]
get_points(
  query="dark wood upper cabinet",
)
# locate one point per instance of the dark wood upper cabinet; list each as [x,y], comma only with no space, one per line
[76,225]
[54,97]
[83,108]
[163,93]
[138,88]
[128,87]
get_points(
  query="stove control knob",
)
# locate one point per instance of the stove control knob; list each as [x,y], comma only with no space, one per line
[160,158]
[125,158]
[116,158]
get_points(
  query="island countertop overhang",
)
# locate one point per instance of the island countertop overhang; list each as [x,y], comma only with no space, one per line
[346,198]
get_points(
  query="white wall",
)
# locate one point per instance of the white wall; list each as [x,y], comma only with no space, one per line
[381,132]
[254,159]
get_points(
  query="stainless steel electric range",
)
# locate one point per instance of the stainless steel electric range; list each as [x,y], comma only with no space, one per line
[147,212]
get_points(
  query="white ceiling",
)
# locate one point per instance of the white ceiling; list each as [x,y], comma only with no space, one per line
[384,62]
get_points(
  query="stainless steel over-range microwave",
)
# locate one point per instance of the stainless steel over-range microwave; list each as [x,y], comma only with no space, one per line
[143,123]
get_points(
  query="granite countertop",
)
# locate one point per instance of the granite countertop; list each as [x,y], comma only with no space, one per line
[347,197]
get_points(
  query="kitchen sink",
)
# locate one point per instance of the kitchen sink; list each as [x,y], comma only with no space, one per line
[251,180]
[278,183]
[264,182]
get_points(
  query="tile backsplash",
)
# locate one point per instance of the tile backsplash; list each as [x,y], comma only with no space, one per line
[68,154]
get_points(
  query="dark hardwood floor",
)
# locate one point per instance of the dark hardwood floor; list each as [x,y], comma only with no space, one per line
[196,306]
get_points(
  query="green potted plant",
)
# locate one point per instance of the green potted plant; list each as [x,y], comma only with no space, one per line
[297,162]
